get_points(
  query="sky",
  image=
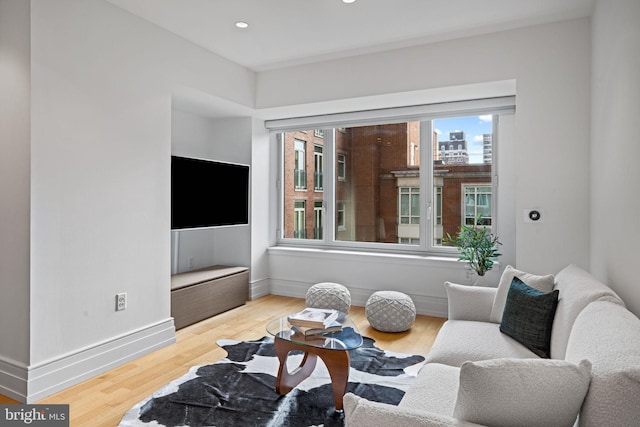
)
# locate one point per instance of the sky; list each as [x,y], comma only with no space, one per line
[473,128]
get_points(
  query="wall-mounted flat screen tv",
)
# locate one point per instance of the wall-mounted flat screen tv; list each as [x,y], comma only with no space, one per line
[206,193]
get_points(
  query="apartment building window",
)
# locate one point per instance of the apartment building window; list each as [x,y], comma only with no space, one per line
[319,133]
[409,205]
[341,216]
[299,220]
[409,241]
[318,222]
[477,205]
[318,168]
[342,165]
[299,165]
[410,182]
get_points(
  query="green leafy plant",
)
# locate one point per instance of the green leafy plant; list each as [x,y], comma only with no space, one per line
[478,246]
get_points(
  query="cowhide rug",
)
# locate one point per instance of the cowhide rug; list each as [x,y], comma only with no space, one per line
[239,390]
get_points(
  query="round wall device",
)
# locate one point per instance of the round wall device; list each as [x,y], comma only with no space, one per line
[534,215]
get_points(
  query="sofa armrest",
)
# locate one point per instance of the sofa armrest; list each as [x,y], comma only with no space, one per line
[360,412]
[469,302]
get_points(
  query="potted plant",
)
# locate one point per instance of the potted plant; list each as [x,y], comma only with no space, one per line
[478,246]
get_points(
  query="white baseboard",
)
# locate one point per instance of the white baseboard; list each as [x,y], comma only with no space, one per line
[50,377]
[259,288]
[427,305]
[13,379]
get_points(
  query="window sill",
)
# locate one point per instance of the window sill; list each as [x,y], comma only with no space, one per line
[370,256]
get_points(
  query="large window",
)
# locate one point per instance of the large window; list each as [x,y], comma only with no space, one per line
[399,185]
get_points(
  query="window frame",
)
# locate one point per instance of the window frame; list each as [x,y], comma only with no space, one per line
[427,153]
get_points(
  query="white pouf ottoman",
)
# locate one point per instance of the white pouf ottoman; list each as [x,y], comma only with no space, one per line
[390,311]
[329,295]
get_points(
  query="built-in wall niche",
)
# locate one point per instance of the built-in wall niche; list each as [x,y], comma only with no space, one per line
[210,185]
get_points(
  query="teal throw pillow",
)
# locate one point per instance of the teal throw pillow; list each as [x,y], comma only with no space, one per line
[528,317]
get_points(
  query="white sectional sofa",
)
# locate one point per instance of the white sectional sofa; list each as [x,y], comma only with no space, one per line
[477,375]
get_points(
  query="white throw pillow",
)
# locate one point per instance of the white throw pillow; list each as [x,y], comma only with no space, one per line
[522,392]
[541,283]
[362,412]
[469,302]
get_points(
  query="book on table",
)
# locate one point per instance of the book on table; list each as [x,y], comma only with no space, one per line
[318,340]
[313,318]
[309,332]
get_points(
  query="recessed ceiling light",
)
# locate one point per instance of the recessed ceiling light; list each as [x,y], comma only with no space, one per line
[348,1]
[242,24]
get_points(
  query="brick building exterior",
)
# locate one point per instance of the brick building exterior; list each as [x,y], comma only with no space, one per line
[452,179]
[373,164]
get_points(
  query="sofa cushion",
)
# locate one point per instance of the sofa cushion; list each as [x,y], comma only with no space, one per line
[360,412]
[528,317]
[434,390]
[469,302]
[609,336]
[541,283]
[460,341]
[577,289]
[512,392]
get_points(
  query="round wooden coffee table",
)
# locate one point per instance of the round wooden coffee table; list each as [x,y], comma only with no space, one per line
[332,348]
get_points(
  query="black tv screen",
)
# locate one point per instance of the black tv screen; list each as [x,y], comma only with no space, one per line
[207,193]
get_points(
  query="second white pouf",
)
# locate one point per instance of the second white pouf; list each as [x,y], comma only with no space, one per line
[390,311]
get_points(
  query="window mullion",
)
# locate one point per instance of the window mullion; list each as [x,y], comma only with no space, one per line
[495,125]
[426,185]
[329,195]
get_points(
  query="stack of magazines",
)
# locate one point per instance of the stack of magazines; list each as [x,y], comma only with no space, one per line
[315,321]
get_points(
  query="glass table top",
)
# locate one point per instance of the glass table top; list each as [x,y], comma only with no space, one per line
[347,339]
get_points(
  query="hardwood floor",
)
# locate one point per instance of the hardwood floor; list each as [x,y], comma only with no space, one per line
[103,400]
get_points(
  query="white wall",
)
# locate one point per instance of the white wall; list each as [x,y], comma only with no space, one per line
[261,209]
[101,88]
[15,192]
[615,151]
[550,160]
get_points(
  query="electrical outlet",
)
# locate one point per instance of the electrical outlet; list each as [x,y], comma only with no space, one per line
[121,301]
[191,262]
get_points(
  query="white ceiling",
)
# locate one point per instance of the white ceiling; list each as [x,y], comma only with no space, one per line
[290,32]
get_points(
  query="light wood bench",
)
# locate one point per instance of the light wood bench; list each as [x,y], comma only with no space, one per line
[199,294]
